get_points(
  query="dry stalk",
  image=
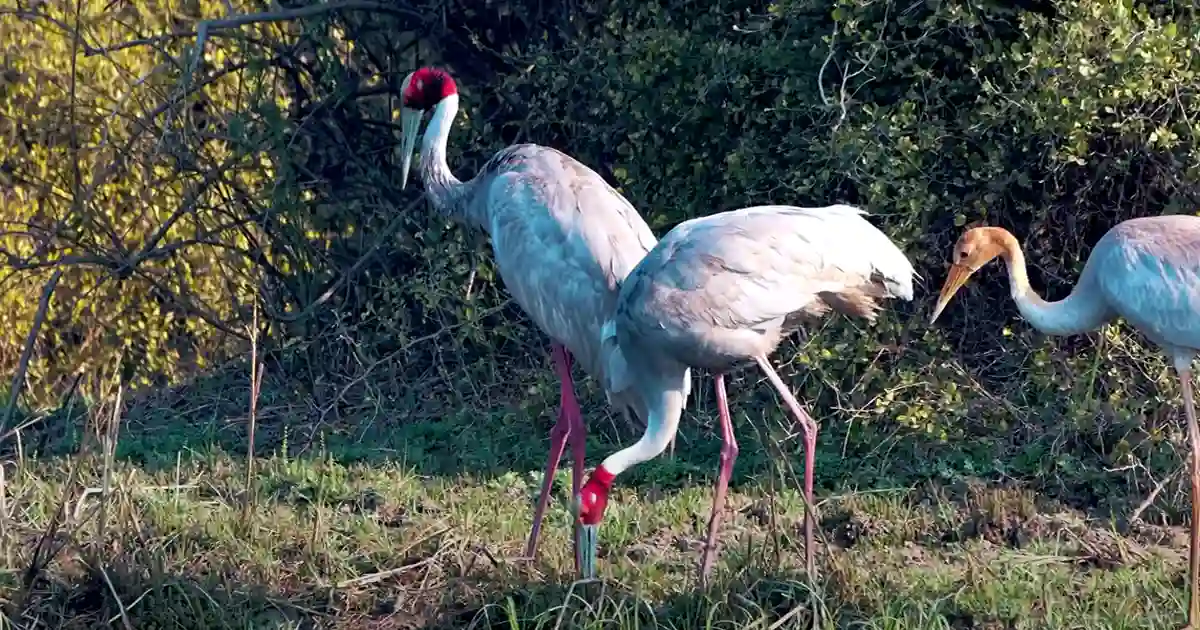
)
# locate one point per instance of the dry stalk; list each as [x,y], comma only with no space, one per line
[110,447]
[379,576]
[383,575]
[4,516]
[256,373]
[124,614]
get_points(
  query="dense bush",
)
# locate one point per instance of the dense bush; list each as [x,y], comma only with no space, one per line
[1056,121]
[265,175]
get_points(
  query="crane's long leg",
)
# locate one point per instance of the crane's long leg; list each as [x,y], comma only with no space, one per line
[578,439]
[809,427]
[729,453]
[1185,382]
[558,442]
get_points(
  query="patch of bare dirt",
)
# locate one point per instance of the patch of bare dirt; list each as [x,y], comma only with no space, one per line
[968,621]
[847,528]
[1103,549]
[1011,531]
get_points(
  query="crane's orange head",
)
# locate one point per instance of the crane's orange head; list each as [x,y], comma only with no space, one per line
[420,91]
[974,249]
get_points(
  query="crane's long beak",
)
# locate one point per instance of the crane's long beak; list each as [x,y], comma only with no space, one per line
[410,124]
[586,539]
[955,280]
[585,550]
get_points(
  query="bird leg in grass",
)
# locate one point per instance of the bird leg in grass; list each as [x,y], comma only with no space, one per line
[578,439]
[729,453]
[569,424]
[809,428]
[1183,367]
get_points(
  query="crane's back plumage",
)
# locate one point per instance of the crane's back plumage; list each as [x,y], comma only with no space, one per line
[563,241]
[1148,271]
[724,288]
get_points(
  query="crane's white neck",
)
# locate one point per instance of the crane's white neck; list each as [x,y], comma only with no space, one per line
[1081,311]
[444,190]
[664,401]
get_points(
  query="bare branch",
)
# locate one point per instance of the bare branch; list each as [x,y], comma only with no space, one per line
[828,58]
[210,27]
[387,233]
[39,317]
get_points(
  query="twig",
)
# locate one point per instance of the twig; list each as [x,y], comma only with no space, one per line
[27,352]
[212,26]
[383,575]
[828,58]
[332,290]
[45,551]
[77,513]
[4,516]
[1149,500]
[110,448]
[120,604]
[784,619]
[256,368]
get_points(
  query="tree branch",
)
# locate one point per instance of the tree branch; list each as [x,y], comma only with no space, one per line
[39,317]
[212,26]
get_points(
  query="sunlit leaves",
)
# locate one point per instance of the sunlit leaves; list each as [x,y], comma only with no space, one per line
[141,171]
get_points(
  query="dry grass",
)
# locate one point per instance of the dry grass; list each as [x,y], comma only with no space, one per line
[396,523]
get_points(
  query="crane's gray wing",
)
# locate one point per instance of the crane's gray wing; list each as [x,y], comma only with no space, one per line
[563,241]
[755,266]
[1149,271]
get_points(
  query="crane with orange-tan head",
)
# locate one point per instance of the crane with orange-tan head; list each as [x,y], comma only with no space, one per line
[1145,271]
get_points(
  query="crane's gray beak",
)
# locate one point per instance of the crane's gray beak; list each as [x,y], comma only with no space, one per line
[410,124]
[586,538]
[585,550]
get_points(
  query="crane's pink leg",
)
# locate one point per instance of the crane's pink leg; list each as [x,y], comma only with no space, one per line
[558,442]
[809,427]
[1185,381]
[578,439]
[729,453]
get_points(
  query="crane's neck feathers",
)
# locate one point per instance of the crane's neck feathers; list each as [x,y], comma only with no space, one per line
[445,191]
[1081,311]
[1010,251]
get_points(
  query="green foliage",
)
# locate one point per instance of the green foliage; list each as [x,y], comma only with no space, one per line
[178,197]
[1056,121]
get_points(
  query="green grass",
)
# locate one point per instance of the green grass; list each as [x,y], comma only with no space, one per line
[441,502]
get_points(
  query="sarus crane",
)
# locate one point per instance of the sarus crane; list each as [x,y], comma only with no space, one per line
[563,240]
[726,288]
[1144,270]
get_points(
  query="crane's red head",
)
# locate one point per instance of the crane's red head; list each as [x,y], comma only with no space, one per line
[420,91]
[974,249]
[589,505]
[593,497]
[425,88]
